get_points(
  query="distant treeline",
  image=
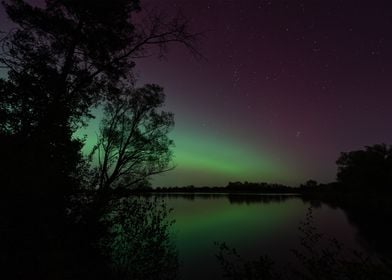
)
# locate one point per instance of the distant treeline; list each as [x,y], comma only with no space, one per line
[310,187]
[232,187]
[244,187]
[368,170]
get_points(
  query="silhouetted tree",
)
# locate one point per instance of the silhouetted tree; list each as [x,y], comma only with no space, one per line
[369,168]
[133,143]
[61,59]
[310,185]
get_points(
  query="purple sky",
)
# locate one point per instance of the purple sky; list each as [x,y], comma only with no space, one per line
[285,87]
[300,80]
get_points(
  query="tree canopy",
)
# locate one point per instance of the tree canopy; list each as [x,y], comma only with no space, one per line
[369,168]
[62,59]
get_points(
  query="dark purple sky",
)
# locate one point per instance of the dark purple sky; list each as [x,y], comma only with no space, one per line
[285,87]
[299,81]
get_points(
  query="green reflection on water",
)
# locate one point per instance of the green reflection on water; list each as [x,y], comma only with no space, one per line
[201,222]
[254,225]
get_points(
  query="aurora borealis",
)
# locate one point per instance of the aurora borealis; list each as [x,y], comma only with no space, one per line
[279,111]
[285,86]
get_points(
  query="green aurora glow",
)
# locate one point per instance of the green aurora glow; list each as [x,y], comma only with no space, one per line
[203,158]
[219,160]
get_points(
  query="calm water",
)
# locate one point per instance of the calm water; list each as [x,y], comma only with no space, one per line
[254,225]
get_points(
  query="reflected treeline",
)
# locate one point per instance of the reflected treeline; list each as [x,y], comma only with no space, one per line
[251,199]
[186,196]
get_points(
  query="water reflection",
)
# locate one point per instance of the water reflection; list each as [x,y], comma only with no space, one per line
[370,214]
[253,224]
[140,242]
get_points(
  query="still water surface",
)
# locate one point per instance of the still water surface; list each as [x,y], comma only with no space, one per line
[253,224]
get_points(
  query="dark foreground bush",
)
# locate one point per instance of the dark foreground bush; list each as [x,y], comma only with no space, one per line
[138,244]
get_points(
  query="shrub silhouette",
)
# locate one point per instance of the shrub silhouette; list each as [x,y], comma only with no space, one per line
[138,242]
[318,257]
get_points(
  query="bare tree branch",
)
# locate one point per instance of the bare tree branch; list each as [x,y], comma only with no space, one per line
[133,139]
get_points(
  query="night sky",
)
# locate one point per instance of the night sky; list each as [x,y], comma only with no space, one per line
[285,86]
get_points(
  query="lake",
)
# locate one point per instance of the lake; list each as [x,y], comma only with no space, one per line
[254,225]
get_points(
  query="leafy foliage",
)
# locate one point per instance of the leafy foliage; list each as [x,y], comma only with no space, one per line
[138,243]
[62,59]
[368,168]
